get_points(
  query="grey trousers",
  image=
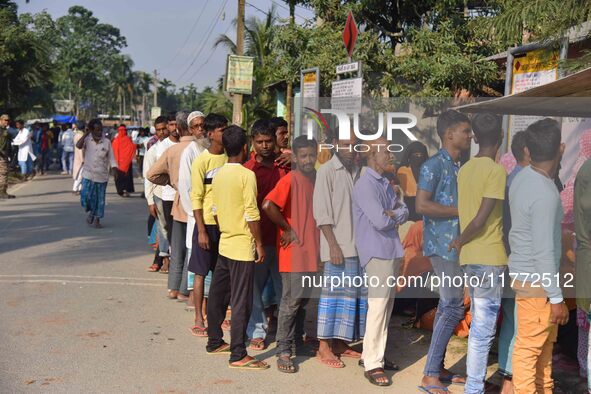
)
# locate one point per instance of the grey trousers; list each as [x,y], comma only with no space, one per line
[177,272]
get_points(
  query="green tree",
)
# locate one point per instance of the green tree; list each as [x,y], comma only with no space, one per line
[86,49]
[25,64]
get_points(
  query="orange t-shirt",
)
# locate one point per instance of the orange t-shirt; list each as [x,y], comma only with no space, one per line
[407,181]
[293,195]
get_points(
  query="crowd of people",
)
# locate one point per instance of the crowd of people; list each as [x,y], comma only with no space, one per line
[244,220]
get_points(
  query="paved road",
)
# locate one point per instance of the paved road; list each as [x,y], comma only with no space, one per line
[80,313]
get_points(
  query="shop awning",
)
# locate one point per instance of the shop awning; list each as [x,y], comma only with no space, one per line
[569,96]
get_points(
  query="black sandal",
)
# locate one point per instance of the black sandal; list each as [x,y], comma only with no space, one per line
[388,365]
[377,373]
[285,365]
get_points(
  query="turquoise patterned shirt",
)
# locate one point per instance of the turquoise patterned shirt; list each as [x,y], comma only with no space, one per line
[439,176]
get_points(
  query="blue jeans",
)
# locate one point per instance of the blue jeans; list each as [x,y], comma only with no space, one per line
[163,245]
[67,161]
[486,292]
[257,325]
[450,311]
[26,166]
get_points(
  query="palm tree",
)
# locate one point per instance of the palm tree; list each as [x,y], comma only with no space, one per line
[258,40]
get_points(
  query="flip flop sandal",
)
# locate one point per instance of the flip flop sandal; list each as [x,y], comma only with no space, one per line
[350,353]
[331,363]
[427,389]
[222,349]
[388,365]
[257,344]
[253,365]
[154,268]
[163,270]
[285,365]
[450,378]
[374,374]
[199,331]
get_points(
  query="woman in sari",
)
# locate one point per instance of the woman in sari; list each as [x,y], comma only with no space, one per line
[124,150]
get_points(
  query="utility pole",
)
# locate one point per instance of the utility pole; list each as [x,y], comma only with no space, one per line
[237,111]
[155,88]
[289,93]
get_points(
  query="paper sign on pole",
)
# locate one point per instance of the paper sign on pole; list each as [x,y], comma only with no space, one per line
[346,94]
[239,74]
[534,68]
[156,112]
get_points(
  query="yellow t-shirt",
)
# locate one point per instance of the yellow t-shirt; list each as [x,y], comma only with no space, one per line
[234,192]
[482,178]
[203,169]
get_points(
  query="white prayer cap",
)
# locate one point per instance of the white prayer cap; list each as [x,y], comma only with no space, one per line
[193,115]
[152,130]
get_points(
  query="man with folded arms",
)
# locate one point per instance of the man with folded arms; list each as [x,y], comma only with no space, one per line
[377,211]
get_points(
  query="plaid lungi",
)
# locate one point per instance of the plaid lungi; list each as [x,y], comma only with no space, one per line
[92,197]
[342,310]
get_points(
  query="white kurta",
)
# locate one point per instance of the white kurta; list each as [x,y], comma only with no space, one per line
[25,146]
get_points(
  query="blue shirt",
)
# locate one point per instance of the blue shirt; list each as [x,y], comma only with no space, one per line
[375,232]
[439,176]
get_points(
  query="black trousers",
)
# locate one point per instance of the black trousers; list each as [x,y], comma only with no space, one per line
[232,282]
[167,207]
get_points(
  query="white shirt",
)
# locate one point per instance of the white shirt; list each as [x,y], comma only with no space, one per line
[168,192]
[25,146]
[67,140]
[151,189]
[190,153]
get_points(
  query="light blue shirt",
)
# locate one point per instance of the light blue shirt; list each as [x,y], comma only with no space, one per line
[536,234]
[375,232]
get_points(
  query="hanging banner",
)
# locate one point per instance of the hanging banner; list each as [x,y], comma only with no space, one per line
[239,74]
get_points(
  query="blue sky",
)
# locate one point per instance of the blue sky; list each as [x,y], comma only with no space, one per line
[164,35]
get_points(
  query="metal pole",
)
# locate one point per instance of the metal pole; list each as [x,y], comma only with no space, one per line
[237,111]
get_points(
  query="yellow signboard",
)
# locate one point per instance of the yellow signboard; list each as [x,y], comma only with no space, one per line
[239,74]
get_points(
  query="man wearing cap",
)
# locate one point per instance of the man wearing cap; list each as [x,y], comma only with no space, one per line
[166,172]
[196,121]
[5,140]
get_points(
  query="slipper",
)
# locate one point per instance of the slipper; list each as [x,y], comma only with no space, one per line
[257,344]
[331,363]
[285,365]
[222,349]
[450,378]
[254,365]
[350,353]
[376,373]
[226,325]
[427,389]
[388,365]
[154,268]
[198,331]
[163,270]
[182,298]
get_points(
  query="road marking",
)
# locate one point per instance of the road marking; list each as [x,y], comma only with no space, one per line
[82,277]
[15,281]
